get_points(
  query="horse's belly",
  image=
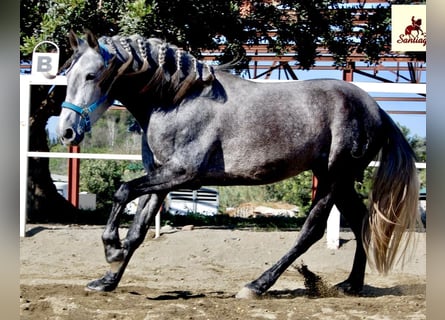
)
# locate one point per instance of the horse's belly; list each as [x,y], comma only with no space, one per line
[267,167]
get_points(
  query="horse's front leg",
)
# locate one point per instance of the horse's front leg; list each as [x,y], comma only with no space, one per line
[156,185]
[118,253]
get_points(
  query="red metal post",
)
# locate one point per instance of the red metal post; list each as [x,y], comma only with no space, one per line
[73,177]
[314,187]
[348,72]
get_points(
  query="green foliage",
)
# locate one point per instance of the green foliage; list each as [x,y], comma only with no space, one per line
[135,16]
[299,26]
[52,20]
[101,177]
[110,134]
[233,196]
[364,187]
[339,40]
[376,37]
[296,190]
[223,220]
[193,23]
[419,147]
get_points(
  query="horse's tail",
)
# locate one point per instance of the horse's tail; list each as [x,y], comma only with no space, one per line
[393,206]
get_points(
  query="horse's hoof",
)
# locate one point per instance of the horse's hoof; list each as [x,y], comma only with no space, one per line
[105,284]
[246,293]
[348,288]
[98,285]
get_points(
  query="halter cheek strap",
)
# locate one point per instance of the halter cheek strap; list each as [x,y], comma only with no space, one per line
[85,112]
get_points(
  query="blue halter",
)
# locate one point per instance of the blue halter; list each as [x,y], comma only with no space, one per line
[85,111]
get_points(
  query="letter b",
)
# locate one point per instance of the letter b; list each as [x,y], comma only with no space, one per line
[44,64]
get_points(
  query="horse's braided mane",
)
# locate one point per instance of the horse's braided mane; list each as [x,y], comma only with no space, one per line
[171,71]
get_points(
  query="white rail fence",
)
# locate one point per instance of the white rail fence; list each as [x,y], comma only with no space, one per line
[26,81]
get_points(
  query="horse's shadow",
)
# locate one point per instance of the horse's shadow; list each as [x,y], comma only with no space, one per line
[177,295]
[399,290]
[368,291]
[186,295]
[33,231]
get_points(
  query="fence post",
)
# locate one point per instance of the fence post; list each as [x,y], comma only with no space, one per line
[333,229]
[73,177]
[25,93]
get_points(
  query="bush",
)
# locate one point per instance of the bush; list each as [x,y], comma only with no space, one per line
[296,190]
[226,221]
[102,177]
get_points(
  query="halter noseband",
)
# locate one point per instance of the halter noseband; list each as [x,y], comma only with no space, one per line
[85,111]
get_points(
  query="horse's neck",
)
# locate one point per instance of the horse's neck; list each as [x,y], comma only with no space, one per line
[139,108]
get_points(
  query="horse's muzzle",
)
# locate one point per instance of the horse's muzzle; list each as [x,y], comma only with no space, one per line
[69,137]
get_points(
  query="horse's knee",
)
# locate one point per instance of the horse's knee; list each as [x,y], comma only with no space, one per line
[122,194]
[110,237]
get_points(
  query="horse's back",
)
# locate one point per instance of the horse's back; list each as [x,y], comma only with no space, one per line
[299,108]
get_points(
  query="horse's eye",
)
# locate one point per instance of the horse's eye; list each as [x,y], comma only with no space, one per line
[91,76]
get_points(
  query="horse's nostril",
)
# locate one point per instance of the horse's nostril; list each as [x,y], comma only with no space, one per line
[68,133]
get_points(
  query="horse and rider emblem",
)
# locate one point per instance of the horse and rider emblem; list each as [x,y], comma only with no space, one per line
[414,26]
[408,28]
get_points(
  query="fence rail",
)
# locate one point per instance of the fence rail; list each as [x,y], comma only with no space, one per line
[69,155]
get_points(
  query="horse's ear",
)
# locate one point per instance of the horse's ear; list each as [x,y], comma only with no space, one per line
[91,39]
[74,40]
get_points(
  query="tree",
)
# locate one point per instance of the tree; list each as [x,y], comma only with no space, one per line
[298,26]
[44,203]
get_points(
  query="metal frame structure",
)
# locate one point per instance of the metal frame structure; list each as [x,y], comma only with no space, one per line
[263,63]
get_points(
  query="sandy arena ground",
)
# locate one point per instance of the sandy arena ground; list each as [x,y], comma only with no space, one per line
[196,274]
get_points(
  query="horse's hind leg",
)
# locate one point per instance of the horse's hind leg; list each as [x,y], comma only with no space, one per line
[312,231]
[118,253]
[353,209]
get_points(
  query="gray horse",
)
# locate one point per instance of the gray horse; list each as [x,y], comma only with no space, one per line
[205,126]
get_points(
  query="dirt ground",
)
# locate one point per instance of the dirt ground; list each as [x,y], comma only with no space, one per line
[196,274]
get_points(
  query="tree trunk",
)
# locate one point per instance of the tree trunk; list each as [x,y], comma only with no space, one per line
[44,203]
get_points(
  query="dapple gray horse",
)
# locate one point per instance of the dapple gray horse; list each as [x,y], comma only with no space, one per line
[204,126]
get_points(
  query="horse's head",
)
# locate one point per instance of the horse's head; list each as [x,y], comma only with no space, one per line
[85,100]
[168,75]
